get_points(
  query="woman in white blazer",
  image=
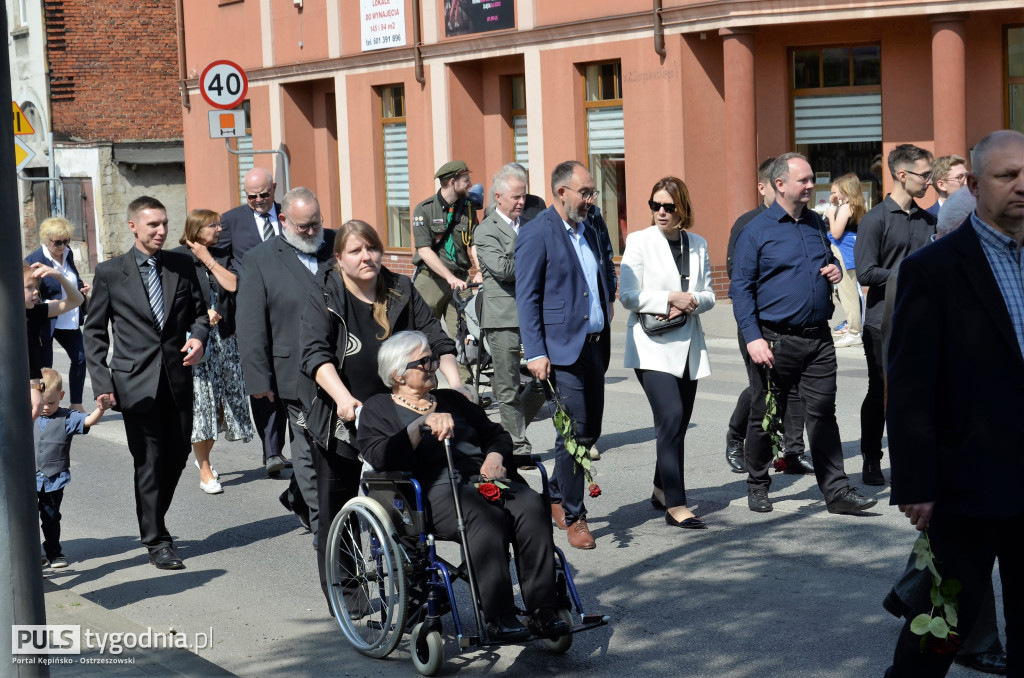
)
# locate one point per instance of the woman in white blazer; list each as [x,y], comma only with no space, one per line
[668,364]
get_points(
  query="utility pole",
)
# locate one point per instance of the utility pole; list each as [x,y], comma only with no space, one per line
[21,577]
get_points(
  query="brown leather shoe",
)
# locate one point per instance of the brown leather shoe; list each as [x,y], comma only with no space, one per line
[558,515]
[579,535]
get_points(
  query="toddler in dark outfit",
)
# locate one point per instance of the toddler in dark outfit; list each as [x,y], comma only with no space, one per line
[52,433]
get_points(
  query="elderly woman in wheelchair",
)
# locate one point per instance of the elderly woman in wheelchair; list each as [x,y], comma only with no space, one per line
[393,437]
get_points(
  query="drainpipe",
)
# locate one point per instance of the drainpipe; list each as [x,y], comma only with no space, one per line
[417,39]
[659,30]
[179,10]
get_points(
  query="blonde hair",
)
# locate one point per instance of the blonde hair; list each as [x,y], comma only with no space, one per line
[849,186]
[26,273]
[55,227]
[195,221]
[52,382]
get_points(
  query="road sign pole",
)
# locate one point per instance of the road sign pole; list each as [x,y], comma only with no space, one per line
[21,579]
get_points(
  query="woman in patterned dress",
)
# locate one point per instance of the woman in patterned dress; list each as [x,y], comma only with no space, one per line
[219,400]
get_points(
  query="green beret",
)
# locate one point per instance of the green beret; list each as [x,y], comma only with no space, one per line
[450,169]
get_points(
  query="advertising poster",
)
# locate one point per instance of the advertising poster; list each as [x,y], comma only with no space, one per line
[464,17]
[383,23]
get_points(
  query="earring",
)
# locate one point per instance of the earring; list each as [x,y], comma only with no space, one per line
[401,381]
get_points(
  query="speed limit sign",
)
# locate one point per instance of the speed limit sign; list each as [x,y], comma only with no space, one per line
[223,84]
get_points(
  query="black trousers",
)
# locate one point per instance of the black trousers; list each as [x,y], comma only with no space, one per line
[966,548]
[72,343]
[581,387]
[808,365]
[159,442]
[337,481]
[671,400]
[49,519]
[872,410]
[270,419]
[794,423]
[302,491]
[520,518]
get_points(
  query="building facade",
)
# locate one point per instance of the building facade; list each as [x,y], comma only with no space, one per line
[367,98]
[101,85]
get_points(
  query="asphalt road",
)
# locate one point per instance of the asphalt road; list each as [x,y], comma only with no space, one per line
[795,592]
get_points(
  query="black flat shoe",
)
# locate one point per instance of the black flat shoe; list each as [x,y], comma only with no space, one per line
[166,559]
[694,523]
[507,629]
[656,504]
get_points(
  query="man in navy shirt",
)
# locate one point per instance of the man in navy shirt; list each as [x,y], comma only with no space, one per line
[782,299]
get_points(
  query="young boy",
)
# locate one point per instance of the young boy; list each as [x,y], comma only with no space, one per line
[52,432]
[36,314]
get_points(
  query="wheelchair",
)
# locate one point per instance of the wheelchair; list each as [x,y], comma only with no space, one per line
[386,579]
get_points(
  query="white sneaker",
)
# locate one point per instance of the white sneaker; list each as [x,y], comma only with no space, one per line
[849,339]
[212,487]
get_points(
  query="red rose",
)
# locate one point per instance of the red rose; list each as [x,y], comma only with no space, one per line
[490,491]
[948,645]
[595,490]
[780,464]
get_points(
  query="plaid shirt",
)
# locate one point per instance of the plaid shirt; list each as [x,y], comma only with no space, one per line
[1008,268]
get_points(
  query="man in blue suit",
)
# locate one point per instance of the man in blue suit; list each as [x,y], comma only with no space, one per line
[564,292]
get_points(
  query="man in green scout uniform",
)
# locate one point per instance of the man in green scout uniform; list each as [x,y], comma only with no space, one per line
[442,227]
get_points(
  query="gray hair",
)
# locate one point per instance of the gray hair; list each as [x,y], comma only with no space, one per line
[297,194]
[562,174]
[395,353]
[780,167]
[510,172]
[979,154]
[955,211]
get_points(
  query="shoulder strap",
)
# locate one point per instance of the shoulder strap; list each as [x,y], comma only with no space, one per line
[684,260]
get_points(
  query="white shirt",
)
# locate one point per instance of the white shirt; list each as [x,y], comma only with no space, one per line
[274,224]
[513,224]
[69,320]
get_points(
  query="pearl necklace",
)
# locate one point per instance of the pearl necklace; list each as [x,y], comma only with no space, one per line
[405,402]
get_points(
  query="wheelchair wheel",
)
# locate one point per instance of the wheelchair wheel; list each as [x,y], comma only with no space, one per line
[427,649]
[561,644]
[366,577]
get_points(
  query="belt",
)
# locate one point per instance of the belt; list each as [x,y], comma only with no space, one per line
[808,332]
[593,338]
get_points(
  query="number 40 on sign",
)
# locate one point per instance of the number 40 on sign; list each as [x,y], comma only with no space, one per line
[223,84]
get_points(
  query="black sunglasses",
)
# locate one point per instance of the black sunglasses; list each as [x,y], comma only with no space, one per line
[427,363]
[669,207]
[61,243]
[260,196]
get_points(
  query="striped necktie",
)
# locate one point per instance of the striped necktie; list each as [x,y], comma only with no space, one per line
[156,293]
[268,229]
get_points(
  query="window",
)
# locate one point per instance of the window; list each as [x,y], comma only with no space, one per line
[244,162]
[520,146]
[606,145]
[1015,78]
[837,112]
[396,166]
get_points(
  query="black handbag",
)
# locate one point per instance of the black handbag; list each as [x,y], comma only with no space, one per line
[649,322]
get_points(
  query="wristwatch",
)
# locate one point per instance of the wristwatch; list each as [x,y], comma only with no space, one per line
[37,387]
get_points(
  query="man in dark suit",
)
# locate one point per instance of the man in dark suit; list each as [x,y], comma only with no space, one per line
[276,278]
[243,228]
[955,394]
[152,301]
[563,296]
[495,250]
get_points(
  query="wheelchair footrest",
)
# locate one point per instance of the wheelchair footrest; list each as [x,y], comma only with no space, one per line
[466,642]
[596,619]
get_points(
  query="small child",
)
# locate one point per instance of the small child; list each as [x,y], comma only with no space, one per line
[36,314]
[52,432]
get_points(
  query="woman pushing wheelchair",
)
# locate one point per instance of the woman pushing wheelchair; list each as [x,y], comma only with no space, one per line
[390,439]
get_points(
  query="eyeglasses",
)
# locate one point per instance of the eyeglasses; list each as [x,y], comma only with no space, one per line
[586,193]
[61,243]
[258,196]
[215,224]
[926,176]
[958,178]
[308,227]
[669,207]
[427,363]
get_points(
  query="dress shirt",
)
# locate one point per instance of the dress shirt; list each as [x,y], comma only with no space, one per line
[68,320]
[588,261]
[1008,268]
[308,260]
[510,222]
[777,272]
[885,236]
